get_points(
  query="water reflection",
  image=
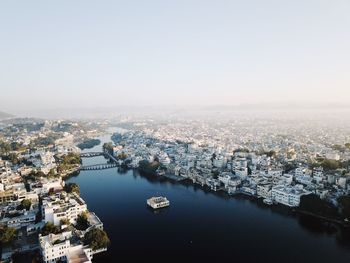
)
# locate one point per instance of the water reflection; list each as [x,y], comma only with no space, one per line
[221,227]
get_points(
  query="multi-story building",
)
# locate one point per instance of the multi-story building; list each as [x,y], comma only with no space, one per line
[264,190]
[22,220]
[59,247]
[58,207]
[288,195]
[55,247]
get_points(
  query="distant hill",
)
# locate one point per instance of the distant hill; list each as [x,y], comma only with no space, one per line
[4,115]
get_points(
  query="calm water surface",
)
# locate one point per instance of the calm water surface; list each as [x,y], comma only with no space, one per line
[198,224]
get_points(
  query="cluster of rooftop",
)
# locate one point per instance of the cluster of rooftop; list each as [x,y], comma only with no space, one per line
[36,206]
[279,163]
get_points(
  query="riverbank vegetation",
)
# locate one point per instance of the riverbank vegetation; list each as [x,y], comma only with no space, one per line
[314,205]
[68,161]
[108,147]
[149,167]
[96,239]
[7,234]
[344,204]
[72,188]
[89,143]
[82,221]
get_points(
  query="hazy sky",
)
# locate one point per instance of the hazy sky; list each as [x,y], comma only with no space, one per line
[107,53]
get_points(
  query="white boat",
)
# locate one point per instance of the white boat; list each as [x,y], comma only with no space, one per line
[158,202]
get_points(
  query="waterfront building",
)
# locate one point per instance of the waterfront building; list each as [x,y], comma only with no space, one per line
[264,190]
[63,247]
[62,206]
[288,195]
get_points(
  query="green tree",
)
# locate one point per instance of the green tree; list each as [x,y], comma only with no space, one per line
[338,147]
[5,148]
[331,164]
[64,221]
[25,204]
[215,174]
[38,217]
[71,159]
[61,168]
[46,141]
[96,239]
[68,161]
[313,204]
[49,228]
[147,167]
[344,203]
[88,143]
[122,156]
[72,188]
[7,234]
[52,173]
[271,153]
[108,147]
[13,157]
[82,221]
[36,174]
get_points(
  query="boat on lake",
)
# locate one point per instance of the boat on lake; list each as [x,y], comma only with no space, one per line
[158,202]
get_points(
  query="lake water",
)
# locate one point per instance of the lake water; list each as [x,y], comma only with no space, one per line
[198,225]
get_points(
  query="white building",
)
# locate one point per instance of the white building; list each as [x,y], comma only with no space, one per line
[219,162]
[303,179]
[275,172]
[300,171]
[287,178]
[317,172]
[45,185]
[25,219]
[288,195]
[164,158]
[55,247]
[55,208]
[59,247]
[242,172]
[341,181]
[264,190]
[248,190]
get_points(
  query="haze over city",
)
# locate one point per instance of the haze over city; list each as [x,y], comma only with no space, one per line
[88,54]
[175,130]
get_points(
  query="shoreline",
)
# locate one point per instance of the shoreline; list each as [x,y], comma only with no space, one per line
[277,207]
[291,211]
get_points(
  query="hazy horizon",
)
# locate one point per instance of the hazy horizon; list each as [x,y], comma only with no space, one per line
[298,111]
[86,54]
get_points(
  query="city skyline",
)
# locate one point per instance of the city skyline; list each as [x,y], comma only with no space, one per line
[88,55]
[187,130]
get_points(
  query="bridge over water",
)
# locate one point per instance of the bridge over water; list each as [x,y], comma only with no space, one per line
[91,154]
[100,166]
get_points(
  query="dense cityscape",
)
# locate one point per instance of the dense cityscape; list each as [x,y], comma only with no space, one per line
[303,166]
[39,212]
[175,131]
